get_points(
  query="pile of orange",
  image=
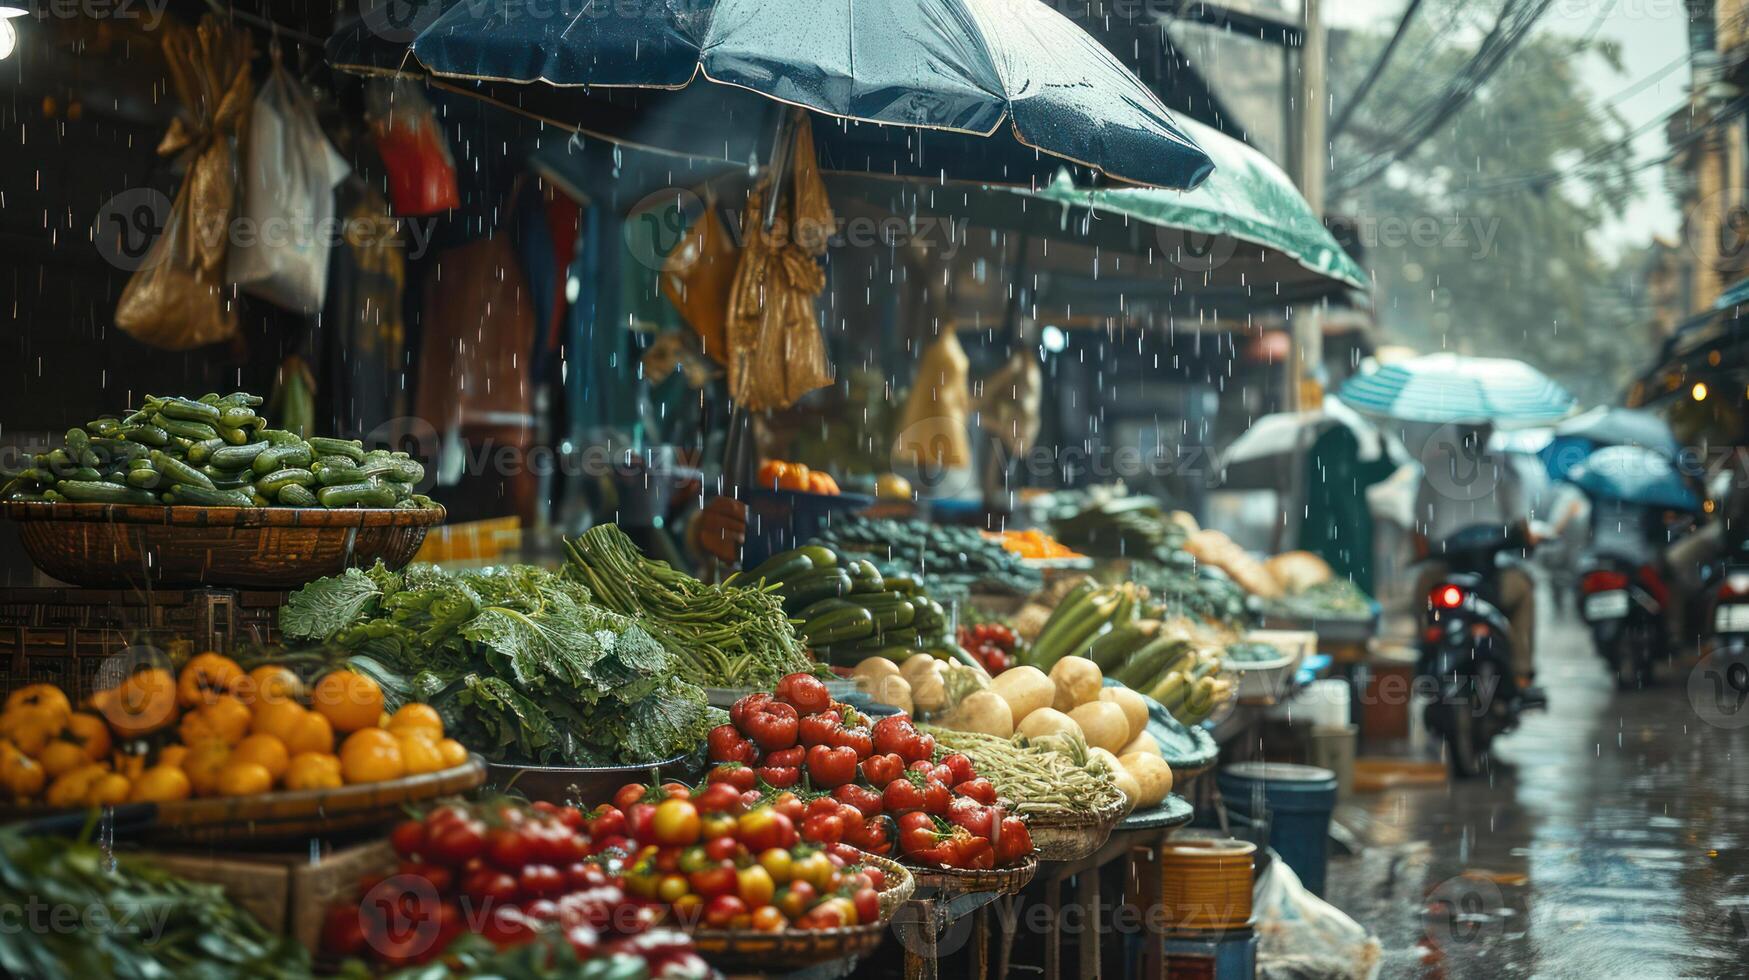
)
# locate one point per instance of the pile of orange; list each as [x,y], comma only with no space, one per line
[778,474]
[1032,543]
[212,729]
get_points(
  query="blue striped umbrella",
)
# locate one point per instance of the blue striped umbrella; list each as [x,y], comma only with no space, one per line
[1451,388]
[1634,475]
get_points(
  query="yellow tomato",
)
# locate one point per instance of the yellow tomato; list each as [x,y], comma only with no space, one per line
[202,764]
[269,683]
[73,787]
[454,753]
[173,756]
[310,733]
[110,789]
[419,751]
[90,733]
[31,727]
[60,757]
[350,701]
[313,770]
[206,678]
[225,718]
[418,716]
[39,696]
[371,755]
[244,779]
[21,776]
[269,752]
[160,784]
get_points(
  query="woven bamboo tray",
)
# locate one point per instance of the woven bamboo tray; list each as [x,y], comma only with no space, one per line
[1073,836]
[276,816]
[114,545]
[960,881]
[763,952]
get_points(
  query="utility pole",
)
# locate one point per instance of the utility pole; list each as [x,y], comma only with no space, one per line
[1311,159]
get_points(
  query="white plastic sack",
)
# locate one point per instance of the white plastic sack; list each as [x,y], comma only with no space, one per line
[1301,935]
[285,222]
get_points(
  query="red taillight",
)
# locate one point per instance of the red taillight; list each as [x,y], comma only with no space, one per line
[1446,597]
[1603,581]
[1736,585]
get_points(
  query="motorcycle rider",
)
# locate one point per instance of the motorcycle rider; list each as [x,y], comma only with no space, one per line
[1463,485]
[1688,559]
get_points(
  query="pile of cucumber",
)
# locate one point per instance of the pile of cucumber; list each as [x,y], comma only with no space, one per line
[955,558]
[1120,629]
[213,452]
[846,611]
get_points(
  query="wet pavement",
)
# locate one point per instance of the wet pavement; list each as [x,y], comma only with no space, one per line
[1611,840]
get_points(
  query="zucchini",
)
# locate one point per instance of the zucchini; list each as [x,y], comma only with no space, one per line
[1143,667]
[781,567]
[825,606]
[1112,649]
[828,583]
[839,627]
[841,656]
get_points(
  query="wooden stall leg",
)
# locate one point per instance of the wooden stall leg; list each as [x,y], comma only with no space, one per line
[1053,936]
[1087,943]
[1005,936]
[981,942]
[920,955]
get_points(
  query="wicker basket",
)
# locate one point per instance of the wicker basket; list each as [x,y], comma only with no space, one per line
[962,881]
[114,545]
[1073,836]
[764,952]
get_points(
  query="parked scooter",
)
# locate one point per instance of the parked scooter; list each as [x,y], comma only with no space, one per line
[1466,649]
[1624,605]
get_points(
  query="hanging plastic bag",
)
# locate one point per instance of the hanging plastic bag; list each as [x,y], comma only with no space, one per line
[287,205]
[932,429]
[178,299]
[1301,935]
[412,145]
[699,275]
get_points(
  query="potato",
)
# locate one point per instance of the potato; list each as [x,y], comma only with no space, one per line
[1132,789]
[1143,742]
[982,711]
[928,690]
[1026,689]
[1077,680]
[917,665]
[892,690]
[1103,723]
[1134,708]
[1047,721]
[874,668]
[1093,752]
[1152,774]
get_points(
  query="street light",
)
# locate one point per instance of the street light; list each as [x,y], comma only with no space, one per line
[12,8]
[9,34]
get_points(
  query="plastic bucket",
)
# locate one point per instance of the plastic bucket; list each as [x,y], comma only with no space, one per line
[1229,954]
[1295,801]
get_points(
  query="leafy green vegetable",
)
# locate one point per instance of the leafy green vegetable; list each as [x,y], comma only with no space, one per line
[325,606]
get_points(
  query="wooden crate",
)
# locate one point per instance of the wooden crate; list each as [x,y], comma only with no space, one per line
[287,893]
[63,635]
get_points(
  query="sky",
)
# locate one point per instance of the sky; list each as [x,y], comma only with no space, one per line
[1652,35]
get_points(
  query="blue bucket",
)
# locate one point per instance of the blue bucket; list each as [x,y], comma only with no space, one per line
[1295,801]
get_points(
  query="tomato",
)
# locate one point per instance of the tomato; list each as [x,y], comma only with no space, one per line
[817,729]
[823,829]
[977,788]
[866,801]
[780,777]
[795,898]
[854,738]
[829,767]
[896,735]
[755,886]
[804,692]
[540,880]
[772,725]
[778,863]
[936,796]
[725,744]
[437,876]
[815,869]
[488,887]
[790,805]
[342,932]
[510,848]
[714,825]
[795,755]
[765,828]
[833,913]
[867,903]
[585,874]
[629,794]
[671,887]
[769,919]
[718,879]
[675,823]
[978,819]
[880,834]
[506,926]
[454,842]
[1012,841]
[638,822]
[747,702]
[718,798]
[606,821]
[735,774]
[960,765]
[676,790]
[879,770]
[687,909]
[722,911]
[819,806]
[723,846]
[903,795]
[541,910]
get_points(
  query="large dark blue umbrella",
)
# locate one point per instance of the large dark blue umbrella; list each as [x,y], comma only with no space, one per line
[944,89]
[1634,475]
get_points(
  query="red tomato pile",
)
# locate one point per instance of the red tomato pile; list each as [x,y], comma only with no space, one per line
[991,644]
[876,787]
[510,872]
[713,859]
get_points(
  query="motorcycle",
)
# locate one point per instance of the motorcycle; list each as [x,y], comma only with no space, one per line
[1466,649]
[1624,606]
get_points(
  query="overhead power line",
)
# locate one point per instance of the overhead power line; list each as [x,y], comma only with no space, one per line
[1378,68]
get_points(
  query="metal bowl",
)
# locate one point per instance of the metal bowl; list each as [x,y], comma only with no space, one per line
[123,545]
[583,786]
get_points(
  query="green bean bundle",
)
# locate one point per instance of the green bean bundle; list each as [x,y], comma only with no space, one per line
[723,636]
[1036,776]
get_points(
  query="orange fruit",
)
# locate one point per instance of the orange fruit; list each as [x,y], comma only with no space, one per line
[160,784]
[350,701]
[32,727]
[277,718]
[206,678]
[140,705]
[269,683]
[203,763]
[110,789]
[91,734]
[419,751]
[60,757]
[454,753]
[313,770]
[265,750]
[224,718]
[39,696]
[244,779]
[371,755]
[20,776]
[72,788]
[173,755]
[416,715]
[310,733]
